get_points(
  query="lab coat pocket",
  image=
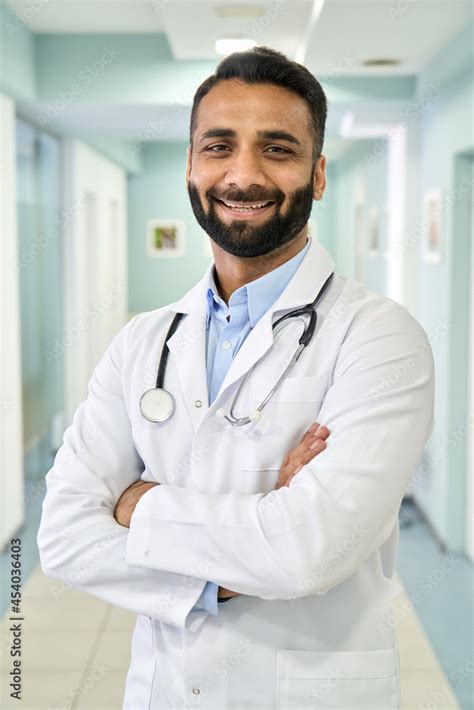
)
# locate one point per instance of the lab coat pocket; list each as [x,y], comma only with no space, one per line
[292,408]
[355,680]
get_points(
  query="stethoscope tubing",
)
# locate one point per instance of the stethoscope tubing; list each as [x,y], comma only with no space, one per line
[304,340]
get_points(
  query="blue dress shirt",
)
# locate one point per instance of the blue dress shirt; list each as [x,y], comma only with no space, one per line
[227,328]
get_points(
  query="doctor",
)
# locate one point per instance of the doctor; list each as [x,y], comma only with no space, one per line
[256,548]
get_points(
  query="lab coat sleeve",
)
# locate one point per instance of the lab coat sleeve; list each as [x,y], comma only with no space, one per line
[311,535]
[80,543]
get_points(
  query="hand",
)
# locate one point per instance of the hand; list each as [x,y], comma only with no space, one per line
[311,444]
[292,463]
[223,593]
[128,500]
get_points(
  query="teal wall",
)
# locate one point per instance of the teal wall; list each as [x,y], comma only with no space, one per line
[446,134]
[17,73]
[44,68]
[159,192]
[40,279]
[441,145]
[134,69]
[30,64]
[324,212]
[129,69]
[365,162]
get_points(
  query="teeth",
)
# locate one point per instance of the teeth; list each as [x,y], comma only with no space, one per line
[240,208]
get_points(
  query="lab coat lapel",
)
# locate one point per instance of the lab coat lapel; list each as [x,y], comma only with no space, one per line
[187,347]
[188,344]
[303,288]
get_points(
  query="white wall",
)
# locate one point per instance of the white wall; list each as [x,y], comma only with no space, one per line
[11,428]
[95,264]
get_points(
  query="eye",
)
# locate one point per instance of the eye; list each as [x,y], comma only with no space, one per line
[212,148]
[278,149]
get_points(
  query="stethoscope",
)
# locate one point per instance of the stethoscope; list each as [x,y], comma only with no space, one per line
[157,404]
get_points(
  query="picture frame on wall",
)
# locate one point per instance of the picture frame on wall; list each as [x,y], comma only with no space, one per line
[431,246]
[165,238]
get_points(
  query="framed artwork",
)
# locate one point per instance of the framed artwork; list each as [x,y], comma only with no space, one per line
[374,231]
[165,237]
[432,226]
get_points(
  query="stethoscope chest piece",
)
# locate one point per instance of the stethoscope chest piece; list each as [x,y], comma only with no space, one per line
[157,405]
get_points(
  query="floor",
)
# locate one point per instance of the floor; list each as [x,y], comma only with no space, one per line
[90,673]
[435,632]
[440,586]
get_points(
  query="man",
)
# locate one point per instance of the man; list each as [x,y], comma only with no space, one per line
[259,558]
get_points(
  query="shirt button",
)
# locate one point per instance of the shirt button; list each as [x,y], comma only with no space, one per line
[196,691]
[226,344]
[198,403]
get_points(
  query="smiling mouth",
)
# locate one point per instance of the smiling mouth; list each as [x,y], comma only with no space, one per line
[246,207]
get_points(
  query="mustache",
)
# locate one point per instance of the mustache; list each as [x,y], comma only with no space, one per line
[241,196]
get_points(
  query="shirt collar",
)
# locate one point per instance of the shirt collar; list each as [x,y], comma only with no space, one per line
[259,294]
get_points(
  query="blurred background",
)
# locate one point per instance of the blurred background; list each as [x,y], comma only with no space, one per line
[95,99]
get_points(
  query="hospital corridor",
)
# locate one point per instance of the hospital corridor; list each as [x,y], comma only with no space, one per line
[222,222]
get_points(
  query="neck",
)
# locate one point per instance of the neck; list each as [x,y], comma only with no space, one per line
[232,272]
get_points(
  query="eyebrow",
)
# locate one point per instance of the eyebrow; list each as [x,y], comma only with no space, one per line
[230,133]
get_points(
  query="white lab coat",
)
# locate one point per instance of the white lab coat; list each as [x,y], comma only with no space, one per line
[313,562]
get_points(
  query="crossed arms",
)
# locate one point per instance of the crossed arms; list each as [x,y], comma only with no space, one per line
[260,542]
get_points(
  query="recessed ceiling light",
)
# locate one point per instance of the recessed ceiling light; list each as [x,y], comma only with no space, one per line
[239,11]
[381,62]
[229,45]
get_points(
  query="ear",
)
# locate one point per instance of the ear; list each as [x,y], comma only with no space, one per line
[319,184]
[188,165]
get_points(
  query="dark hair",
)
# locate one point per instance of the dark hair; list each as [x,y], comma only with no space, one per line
[262,65]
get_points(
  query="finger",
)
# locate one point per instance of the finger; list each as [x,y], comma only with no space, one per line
[308,455]
[305,447]
[309,432]
[322,432]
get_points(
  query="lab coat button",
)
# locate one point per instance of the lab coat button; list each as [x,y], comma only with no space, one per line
[226,344]
[198,403]
[196,691]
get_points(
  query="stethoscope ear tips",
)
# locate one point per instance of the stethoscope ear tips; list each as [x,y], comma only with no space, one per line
[255,416]
[220,413]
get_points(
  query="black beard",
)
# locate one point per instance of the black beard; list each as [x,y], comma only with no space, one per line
[240,238]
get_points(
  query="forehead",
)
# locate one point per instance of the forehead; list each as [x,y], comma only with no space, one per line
[234,104]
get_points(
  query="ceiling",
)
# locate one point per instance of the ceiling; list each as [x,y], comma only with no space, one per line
[334,37]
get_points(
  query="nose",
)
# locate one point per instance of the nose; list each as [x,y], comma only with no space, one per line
[244,170]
